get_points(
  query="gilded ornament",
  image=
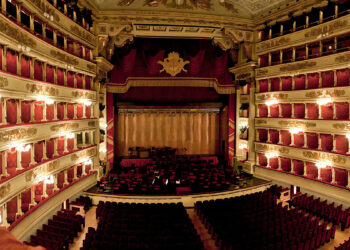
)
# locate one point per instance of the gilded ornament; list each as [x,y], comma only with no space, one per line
[74,157]
[64,127]
[16,134]
[297,66]
[297,124]
[244,99]
[278,96]
[42,90]
[342,126]
[342,58]
[16,34]
[83,94]
[242,76]
[329,28]
[29,176]
[272,43]
[46,8]
[261,72]
[173,64]
[91,67]
[338,159]
[3,82]
[82,33]
[52,166]
[260,122]
[5,190]
[92,124]
[325,93]
[63,57]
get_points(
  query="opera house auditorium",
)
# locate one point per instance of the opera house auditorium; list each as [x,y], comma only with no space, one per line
[174,124]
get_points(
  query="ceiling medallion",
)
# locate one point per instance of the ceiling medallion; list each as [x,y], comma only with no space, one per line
[173,64]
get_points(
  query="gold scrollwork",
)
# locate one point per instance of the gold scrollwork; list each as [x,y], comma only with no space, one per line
[298,66]
[74,157]
[16,134]
[16,34]
[3,82]
[64,127]
[338,159]
[52,166]
[261,72]
[343,126]
[342,58]
[29,176]
[263,97]
[247,75]
[262,147]
[173,64]
[325,93]
[4,190]
[63,57]
[82,33]
[40,89]
[297,124]
[260,122]
[330,28]
[273,43]
[46,8]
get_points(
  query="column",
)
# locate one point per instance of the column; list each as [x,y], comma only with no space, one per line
[83,139]
[4,53]
[32,196]
[279,137]
[19,160]
[55,111]
[65,46]
[19,205]
[348,138]
[65,177]
[319,111]
[32,62]
[3,110]
[65,111]
[32,111]
[268,136]
[281,60]
[257,135]
[334,111]
[319,79]
[291,139]
[55,37]
[4,163]
[75,142]
[44,71]
[269,59]
[336,9]
[44,30]
[348,186]
[31,23]
[335,74]
[292,166]
[55,187]
[270,33]
[293,83]
[19,105]
[3,6]
[279,164]
[65,78]
[293,53]
[334,148]
[292,106]
[75,80]
[75,172]
[18,12]
[32,155]
[19,58]
[333,176]
[304,168]
[306,51]
[318,173]
[83,50]
[44,151]
[55,74]
[321,16]
[319,141]
[305,140]
[75,109]
[44,189]
[307,21]
[268,111]
[44,111]
[65,145]
[306,112]
[55,142]
[84,111]
[83,170]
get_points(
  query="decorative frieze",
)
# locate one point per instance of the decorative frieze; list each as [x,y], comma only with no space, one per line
[83,34]
[326,29]
[3,82]
[34,88]
[64,127]
[272,96]
[17,34]
[303,124]
[266,147]
[337,159]
[270,44]
[83,94]
[64,57]
[325,93]
[16,134]
[298,66]
[4,190]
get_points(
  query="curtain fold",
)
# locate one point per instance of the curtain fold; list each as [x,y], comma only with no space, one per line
[190,133]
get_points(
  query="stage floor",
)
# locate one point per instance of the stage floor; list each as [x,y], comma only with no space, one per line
[245,183]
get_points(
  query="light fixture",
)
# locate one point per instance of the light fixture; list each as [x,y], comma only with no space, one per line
[49,180]
[323,101]
[348,136]
[296,130]
[103,150]
[45,99]
[271,155]
[88,162]
[322,164]
[103,125]
[70,135]
[87,102]
[23,48]
[243,124]
[271,102]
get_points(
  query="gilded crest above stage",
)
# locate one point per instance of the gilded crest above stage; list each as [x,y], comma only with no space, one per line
[173,64]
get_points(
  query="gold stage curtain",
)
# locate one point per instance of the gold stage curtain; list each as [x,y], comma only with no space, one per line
[189,132]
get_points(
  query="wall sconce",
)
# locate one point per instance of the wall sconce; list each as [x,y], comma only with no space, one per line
[348,136]
[296,130]
[88,162]
[103,150]
[23,48]
[103,125]
[45,99]
[48,16]
[271,102]
[271,155]
[22,148]
[49,180]
[243,124]
[70,135]
[323,101]
[86,102]
[322,164]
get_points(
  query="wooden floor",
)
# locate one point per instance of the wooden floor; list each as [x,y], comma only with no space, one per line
[208,242]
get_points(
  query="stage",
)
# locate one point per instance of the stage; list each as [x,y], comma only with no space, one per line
[252,185]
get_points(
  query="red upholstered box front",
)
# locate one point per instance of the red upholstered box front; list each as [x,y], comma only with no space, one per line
[286,83]
[311,170]
[38,111]
[285,137]
[25,159]
[60,77]
[263,85]
[38,151]
[299,110]
[60,179]
[299,140]
[60,111]
[274,111]
[25,111]
[25,66]
[273,163]
[299,82]
[70,79]
[286,164]
[262,109]
[312,110]
[327,111]
[11,61]
[11,111]
[38,70]
[326,174]
[70,111]
[341,176]
[312,140]
[286,110]
[50,147]
[341,144]
[327,79]
[275,84]
[313,80]
[262,133]
[298,167]
[79,81]
[342,110]
[326,142]
[274,136]
[87,82]
[50,74]
[343,77]
[263,60]
[50,112]
[262,160]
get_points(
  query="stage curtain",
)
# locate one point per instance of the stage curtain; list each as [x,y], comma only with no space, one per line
[313,79]
[327,79]
[25,66]
[60,77]
[286,164]
[342,110]
[286,83]
[11,61]
[343,76]
[299,110]
[38,70]
[190,133]
[299,82]
[263,85]
[196,62]
[153,66]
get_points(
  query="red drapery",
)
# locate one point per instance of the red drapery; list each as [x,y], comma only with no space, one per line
[263,85]
[286,164]
[299,82]
[341,176]
[79,81]
[25,109]
[38,151]
[343,76]
[38,110]
[60,111]
[311,170]
[87,82]
[70,111]
[299,110]
[11,162]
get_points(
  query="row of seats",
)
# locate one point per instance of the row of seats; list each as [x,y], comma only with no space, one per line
[59,232]
[255,221]
[322,209]
[344,246]
[142,226]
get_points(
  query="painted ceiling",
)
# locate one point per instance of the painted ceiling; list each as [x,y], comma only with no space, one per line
[239,8]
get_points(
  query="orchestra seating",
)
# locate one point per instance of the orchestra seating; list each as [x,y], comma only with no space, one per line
[85,201]
[142,226]
[322,209]
[165,175]
[255,221]
[59,232]
[344,246]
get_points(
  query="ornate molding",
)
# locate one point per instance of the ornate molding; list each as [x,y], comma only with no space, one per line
[83,94]
[244,98]
[44,7]
[3,82]
[325,93]
[92,124]
[17,34]
[91,67]
[43,90]
[330,28]
[173,64]
[82,33]
[342,58]
[260,122]
[341,126]
[239,35]
[337,159]
[52,166]
[224,42]
[263,97]
[264,147]
[63,57]
[266,45]
[298,66]
[16,134]
[64,127]
[4,190]
[297,124]
[261,72]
